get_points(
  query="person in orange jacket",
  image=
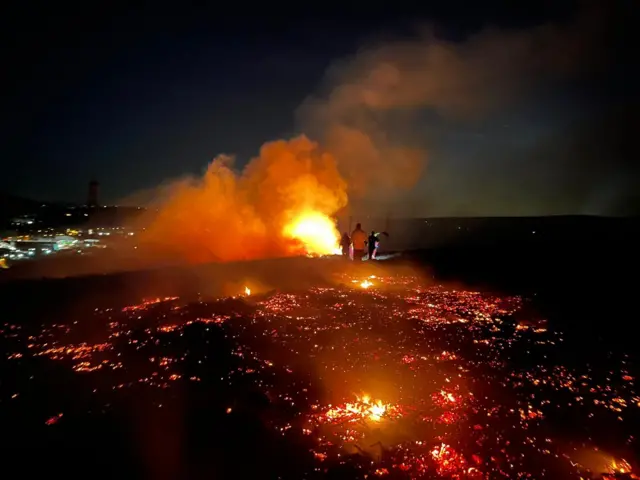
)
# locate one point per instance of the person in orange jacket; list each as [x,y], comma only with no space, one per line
[359,241]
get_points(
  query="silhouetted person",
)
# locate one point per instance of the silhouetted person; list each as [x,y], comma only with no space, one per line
[372,244]
[358,240]
[345,243]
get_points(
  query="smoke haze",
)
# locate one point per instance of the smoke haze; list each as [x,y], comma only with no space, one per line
[369,113]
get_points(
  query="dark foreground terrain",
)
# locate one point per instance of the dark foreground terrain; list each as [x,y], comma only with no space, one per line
[486,361]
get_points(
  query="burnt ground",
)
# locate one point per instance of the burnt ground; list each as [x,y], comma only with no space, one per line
[81,396]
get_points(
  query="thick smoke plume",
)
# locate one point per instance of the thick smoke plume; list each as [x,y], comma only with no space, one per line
[372,113]
[372,143]
[232,216]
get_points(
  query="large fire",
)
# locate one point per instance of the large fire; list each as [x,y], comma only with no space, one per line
[282,203]
[316,232]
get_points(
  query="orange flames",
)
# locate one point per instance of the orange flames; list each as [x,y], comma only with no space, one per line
[363,409]
[317,232]
[620,466]
[281,204]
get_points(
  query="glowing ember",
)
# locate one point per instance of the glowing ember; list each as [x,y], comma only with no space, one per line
[148,303]
[363,409]
[53,420]
[468,402]
[449,462]
[317,232]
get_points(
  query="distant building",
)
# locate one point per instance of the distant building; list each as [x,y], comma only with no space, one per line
[92,198]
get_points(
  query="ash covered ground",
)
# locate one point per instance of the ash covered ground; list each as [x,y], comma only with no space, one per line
[371,372]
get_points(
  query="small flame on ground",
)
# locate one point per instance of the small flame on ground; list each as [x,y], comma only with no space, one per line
[316,232]
[366,284]
[247,291]
[363,409]
[619,467]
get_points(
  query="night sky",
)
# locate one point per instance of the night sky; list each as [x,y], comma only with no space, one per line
[134,97]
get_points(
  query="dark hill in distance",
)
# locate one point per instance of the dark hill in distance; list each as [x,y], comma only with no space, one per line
[578,231]
[12,205]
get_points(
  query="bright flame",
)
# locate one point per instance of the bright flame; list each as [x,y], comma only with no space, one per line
[366,284]
[363,409]
[376,411]
[317,232]
[247,291]
[281,204]
[621,466]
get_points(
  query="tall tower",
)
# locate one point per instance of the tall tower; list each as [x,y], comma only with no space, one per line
[92,198]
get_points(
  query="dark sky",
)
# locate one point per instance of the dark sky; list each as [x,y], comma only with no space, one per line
[134,96]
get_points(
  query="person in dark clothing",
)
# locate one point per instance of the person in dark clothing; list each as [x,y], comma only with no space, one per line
[345,243]
[372,243]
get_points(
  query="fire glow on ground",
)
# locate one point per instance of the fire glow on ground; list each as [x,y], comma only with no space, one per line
[381,376]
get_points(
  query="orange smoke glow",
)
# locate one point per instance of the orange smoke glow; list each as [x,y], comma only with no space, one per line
[281,204]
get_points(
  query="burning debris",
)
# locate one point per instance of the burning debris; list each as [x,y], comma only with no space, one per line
[362,410]
[459,387]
